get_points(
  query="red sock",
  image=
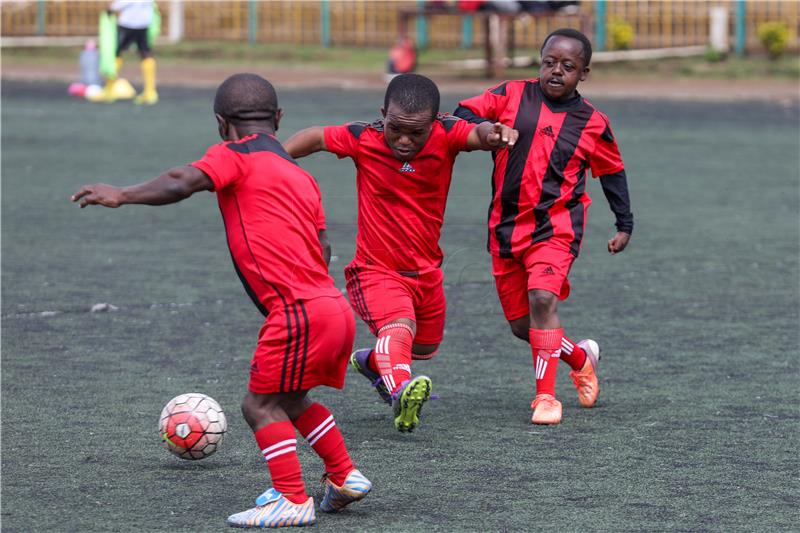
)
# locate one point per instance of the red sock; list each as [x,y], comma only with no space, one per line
[279,446]
[318,427]
[392,354]
[572,354]
[546,348]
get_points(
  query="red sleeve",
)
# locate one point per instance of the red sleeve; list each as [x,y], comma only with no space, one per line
[606,159]
[457,135]
[489,105]
[221,164]
[341,141]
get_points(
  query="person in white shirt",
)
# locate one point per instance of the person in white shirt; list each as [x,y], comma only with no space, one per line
[133,20]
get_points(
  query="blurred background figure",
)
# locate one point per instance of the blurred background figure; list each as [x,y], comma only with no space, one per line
[402,58]
[90,72]
[134,20]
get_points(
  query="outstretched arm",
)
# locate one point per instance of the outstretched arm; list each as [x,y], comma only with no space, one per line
[489,136]
[615,188]
[306,142]
[467,114]
[172,186]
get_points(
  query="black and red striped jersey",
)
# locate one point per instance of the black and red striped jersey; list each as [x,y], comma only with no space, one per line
[539,186]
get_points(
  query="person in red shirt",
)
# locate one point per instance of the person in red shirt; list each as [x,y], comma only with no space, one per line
[404,165]
[538,210]
[275,226]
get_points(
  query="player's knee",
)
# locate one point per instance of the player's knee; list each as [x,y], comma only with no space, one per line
[520,328]
[543,304]
[422,352]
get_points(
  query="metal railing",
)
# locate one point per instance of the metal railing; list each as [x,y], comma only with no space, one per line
[364,23]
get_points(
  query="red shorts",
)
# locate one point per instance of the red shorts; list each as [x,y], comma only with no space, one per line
[380,296]
[305,345]
[544,266]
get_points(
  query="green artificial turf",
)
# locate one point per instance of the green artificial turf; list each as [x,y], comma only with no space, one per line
[697,421]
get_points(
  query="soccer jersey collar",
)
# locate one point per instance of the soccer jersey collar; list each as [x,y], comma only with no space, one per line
[559,107]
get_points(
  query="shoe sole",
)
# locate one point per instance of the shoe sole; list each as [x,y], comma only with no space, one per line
[411,401]
[332,505]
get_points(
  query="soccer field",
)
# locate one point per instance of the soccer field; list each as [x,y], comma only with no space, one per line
[697,423]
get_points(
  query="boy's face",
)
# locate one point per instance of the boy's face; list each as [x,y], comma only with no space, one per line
[406,133]
[563,67]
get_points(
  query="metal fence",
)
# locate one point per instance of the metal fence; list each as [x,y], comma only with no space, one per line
[366,23]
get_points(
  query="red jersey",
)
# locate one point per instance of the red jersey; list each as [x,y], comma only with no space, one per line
[539,187]
[273,213]
[400,205]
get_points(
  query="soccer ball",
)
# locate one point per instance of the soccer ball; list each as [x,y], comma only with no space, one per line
[192,426]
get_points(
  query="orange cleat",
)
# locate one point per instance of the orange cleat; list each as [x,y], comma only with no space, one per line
[546,410]
[585,379]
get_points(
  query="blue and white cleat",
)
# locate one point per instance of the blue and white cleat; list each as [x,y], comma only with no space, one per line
[358,360]
[407,402]
[273,510]
[356,487]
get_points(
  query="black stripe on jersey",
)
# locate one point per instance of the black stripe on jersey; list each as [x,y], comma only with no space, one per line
[357,128]
[448,121]
[305,347]
[261,143]
[295,361]
[560,156]
[248,289]
[525,123]
[607,135]
[500,89]
[288,349]
[576,211]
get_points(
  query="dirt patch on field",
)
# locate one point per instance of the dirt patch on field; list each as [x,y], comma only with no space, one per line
[598,85]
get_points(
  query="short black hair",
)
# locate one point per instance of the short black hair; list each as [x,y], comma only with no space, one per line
[572,34]
[413,93]
[246,98]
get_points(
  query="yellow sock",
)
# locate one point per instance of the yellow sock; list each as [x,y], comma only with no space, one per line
[149,75]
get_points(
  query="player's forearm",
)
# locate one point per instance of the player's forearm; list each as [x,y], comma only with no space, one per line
[306,142]
[615,188]
[469,116]
[172,186]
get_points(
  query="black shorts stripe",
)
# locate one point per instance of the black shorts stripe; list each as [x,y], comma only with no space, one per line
[568,137]
[283,387]
[350,274]
[296,358]
[305,347]
[362,303]
[525,123]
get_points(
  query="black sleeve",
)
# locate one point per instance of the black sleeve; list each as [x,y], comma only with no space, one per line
[469,116]
[615,187]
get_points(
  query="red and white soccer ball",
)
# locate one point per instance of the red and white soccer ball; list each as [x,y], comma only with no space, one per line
[192,426]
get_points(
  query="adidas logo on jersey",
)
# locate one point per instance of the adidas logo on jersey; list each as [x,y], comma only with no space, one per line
[407,168]
[547,131]
[548,271]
